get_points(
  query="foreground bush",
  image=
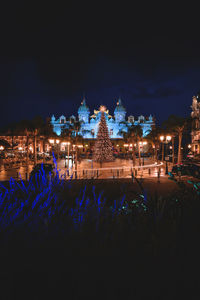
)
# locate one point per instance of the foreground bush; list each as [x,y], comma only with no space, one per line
[48,209]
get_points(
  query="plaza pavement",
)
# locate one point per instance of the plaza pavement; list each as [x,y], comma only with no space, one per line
[88,169]
[111,175]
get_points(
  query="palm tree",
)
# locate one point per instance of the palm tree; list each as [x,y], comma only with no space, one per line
[76,138]
[177,125]
[138,138]
[47,133]
[133,135]
[153,137]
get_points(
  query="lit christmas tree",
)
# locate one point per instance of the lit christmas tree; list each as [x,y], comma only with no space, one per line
[103,146]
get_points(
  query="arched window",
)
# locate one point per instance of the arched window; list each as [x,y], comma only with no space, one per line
[62,120]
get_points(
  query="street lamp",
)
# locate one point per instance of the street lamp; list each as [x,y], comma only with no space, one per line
[68,143]
[165,140]
[1,148]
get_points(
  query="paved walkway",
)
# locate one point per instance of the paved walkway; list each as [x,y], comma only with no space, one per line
[87,169]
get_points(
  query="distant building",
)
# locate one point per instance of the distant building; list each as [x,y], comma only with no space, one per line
[89,123]
[195,114]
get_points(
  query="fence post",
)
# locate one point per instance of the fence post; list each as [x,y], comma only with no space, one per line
[158,175]
[149,171]
[132,175]
[135,172]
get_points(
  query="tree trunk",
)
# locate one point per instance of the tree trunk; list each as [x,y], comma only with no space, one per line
[27,152]
[43,155]
[35,147]
[173,150]
[156,152]
[139,154]
[162,151]
[179,147]
[133,155]
[76,158]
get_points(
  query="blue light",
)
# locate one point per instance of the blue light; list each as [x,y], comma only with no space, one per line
[116,124]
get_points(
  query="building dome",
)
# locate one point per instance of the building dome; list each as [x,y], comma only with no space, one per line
[119,107]
[83,107]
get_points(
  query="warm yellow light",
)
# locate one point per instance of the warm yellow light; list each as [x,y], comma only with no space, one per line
[131,145]
[20,148]
[80,146]
[145,143]
[189,146]
[86,145]
[57,141]
[170,147]
[161,137]
[168,137]
[117,145]
[51,141]
[1,147]
[125,145]
[102,108]
[135,145]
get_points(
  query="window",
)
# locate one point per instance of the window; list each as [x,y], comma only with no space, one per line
[111,131]
[92,131]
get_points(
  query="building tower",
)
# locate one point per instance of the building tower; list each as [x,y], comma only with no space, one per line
[83,112]
[119,112]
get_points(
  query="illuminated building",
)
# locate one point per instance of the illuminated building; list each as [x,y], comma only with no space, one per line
[117,123]
[195,133]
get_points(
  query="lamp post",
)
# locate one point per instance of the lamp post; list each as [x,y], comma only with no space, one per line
[165,139]
[143,143]
[67,143]
[1,159]
[51,141]
[57,148]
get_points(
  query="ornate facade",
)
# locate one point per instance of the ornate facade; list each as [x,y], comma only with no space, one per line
[195,134]
[89,124]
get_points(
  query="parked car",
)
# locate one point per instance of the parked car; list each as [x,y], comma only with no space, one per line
[196,157]
[39,168]
[186,169]
[147,154]
[183,169]
[190,155]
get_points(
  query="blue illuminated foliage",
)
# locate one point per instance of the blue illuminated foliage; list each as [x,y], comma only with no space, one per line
[50,205]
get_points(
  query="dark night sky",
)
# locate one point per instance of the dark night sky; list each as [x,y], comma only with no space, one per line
[49,58]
